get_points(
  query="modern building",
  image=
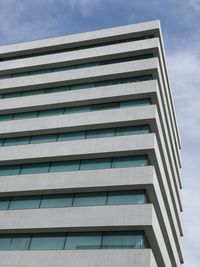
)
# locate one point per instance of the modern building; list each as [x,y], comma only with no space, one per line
[89,152]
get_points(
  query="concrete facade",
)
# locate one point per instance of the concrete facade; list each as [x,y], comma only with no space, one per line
[160,218]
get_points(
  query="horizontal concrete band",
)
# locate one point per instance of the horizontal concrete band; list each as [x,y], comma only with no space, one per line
[69,150]
[80,75]
[125,91]
[124,217]
[76,218]
[28,82]
[111,93]
[88,148]
[91,148]
[82,56]
[80,121]
[66,182]
[142,144]
[133,178]
[77,258]
[74,40]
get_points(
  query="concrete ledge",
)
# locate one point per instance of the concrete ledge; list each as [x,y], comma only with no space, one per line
[111,71]
[108,218]
[80,149]
[80,39]
[133,178]
[105,52]
[118,92]
[78,122]
[77,258]
[71,219]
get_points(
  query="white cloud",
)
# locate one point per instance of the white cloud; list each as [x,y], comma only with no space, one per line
[86,7]
[195,4]
[184,65]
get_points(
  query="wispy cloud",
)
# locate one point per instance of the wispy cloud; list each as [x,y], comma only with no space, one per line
[87,7]
[195,4]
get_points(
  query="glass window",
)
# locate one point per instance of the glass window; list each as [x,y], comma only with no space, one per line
[10,95]
[53,201]
[16,141]
[86,65]
[91,164]
[132,130]
[52,112]
[64,166]
[25,202]
[105,83]
[129,161]
[1,142]
[20,74]
[9,170]
[105,106]
[77,109]
[5,241]
[90,199]
[4,76]
[63,68]
[82,86]
[122,240]
[4,203]
[25,115]
[83,240]
[6,117]
[126,197]
[71,136]
[36,139]
[33,92]
[20,242]
[132,103]
[36,72]
[47,241]
[57,89]
[35,168]
[100,133]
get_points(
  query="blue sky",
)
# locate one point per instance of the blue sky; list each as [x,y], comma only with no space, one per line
[27,20]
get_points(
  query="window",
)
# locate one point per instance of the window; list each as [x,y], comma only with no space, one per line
[129,161]
[25,115]
[53,112]
[74,199]
[74,240]
[47,241]
[64,166]
[4,203]
[131,130]
[77,109]
[54,201]
[9,170]
[90,199]
[16,141]
[126,197]
[122,240]
[36,139]
[83,241]
[71,136]
[100,133]
[20,242]
[25,202]
[88,164]
[35,168]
